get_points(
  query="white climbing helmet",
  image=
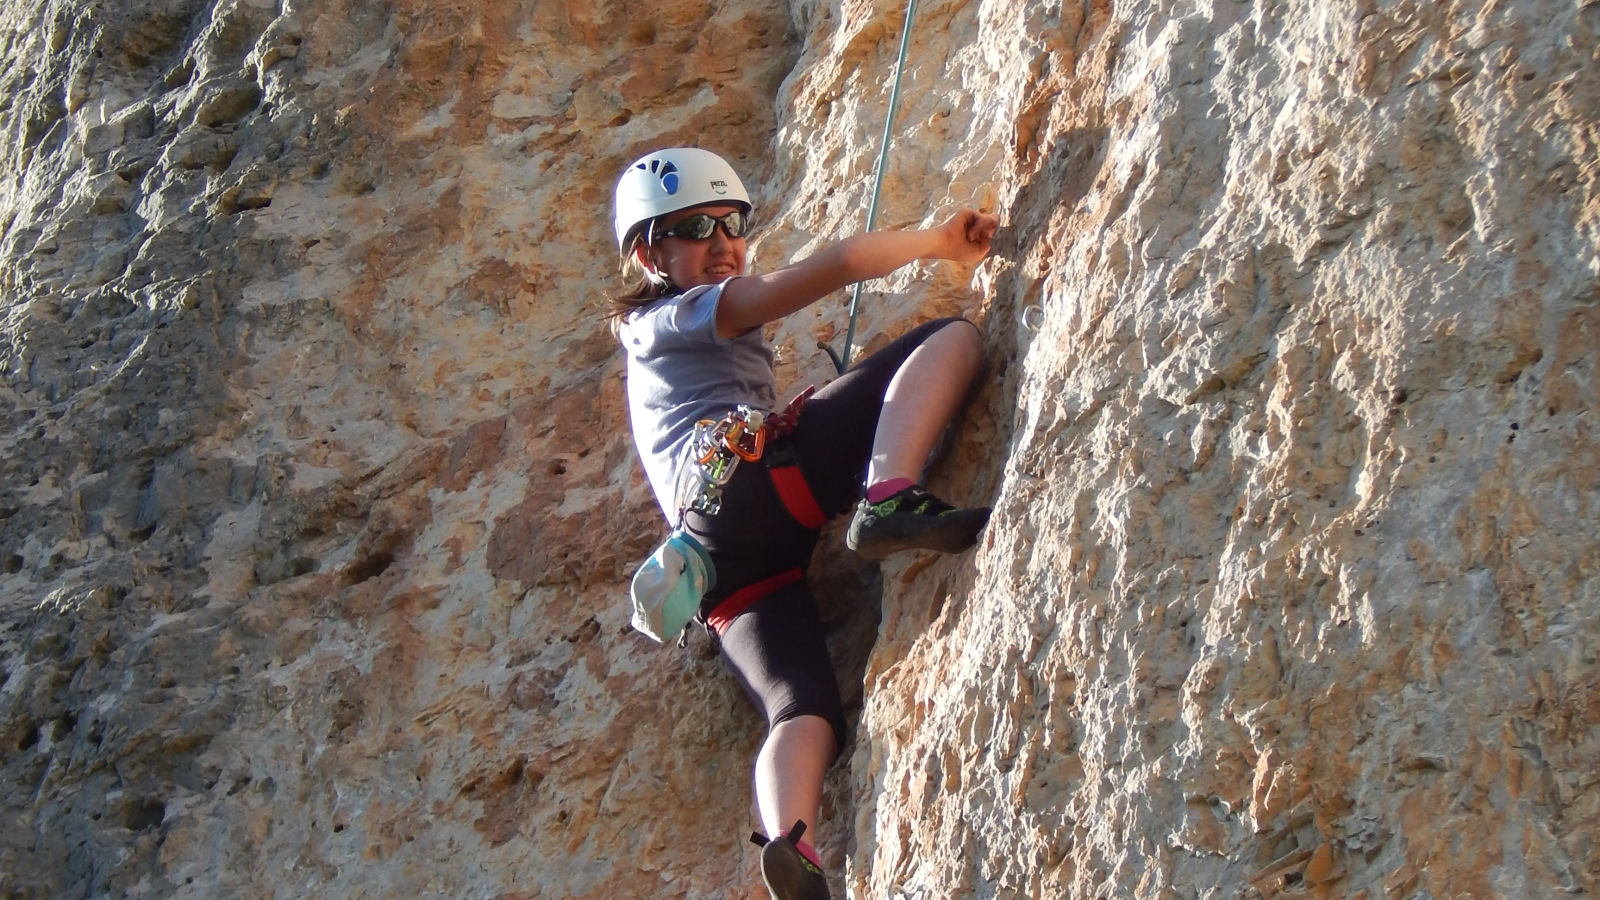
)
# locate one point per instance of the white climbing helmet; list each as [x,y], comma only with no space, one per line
[669,180]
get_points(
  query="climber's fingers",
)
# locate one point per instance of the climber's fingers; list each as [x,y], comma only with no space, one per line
[981,229]
[970,233]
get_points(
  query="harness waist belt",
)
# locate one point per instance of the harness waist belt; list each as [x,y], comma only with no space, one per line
[722,616]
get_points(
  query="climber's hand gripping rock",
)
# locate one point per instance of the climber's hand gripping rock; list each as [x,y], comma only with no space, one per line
[968,235]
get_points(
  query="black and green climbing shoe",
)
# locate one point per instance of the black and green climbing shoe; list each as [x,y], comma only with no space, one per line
[913,519]
[787,872]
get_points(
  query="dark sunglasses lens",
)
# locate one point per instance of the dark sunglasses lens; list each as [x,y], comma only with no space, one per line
[699,227]
[696,228]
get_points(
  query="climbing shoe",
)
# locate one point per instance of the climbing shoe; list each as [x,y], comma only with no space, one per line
[913,519]
[787,872]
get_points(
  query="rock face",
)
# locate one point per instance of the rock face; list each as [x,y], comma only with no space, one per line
[318,502]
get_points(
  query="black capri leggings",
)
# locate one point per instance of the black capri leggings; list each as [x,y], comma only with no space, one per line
[776,646]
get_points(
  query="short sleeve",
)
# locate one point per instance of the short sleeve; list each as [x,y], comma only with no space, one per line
[680,371]
[690,318]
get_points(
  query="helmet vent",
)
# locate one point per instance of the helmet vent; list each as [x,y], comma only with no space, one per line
[669,178]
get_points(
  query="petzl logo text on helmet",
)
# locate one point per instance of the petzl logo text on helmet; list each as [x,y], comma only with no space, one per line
[721,187]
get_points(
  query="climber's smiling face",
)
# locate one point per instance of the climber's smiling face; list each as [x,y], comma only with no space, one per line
[689,262]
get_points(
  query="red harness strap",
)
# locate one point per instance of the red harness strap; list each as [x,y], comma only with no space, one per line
[784,469]
[783,466]
[737,602]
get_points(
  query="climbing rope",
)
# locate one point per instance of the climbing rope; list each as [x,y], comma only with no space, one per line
[842,361]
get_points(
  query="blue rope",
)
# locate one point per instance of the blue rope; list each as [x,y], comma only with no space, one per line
[842,362]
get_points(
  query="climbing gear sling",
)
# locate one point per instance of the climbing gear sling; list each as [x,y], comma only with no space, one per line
[842,361]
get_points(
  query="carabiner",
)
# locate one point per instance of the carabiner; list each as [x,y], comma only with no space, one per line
[732,441]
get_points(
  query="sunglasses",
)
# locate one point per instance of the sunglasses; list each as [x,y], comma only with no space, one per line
[700,226]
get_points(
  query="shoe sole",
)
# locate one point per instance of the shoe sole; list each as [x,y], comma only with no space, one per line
[953,532]
[787,877]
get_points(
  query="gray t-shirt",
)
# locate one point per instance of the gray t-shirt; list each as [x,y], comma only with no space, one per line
[680,371]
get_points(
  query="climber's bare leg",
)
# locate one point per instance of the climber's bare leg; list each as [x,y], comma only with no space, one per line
[922,399]
[789,773]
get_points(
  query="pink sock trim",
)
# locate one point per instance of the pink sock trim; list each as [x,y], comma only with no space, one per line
[806,850]
[887,488]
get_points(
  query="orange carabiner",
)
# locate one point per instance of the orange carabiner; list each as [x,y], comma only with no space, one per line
[731,441]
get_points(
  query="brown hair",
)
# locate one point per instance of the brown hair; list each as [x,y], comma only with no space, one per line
[637,289]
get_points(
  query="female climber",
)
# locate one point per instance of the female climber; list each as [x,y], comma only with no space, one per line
[690,321]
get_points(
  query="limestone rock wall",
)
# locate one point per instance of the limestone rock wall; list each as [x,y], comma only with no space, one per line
[318,504]
[1292,585]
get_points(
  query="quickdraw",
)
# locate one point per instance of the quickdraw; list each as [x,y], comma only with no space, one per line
[718,446]
[739,433]
[713,455]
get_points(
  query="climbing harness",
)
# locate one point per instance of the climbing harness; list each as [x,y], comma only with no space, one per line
[714,453]
[737,602]
[667,589]
[746,434]
[842,362]
[783,467]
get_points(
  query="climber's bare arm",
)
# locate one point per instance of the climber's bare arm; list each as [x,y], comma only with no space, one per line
[755,300]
